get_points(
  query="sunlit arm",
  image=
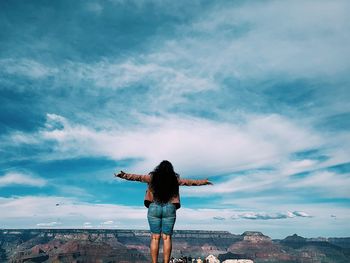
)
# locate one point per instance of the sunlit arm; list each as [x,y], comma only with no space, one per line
[133,177]
[193,182]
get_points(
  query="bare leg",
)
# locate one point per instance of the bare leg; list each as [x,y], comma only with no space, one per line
[155,247]
[166,247]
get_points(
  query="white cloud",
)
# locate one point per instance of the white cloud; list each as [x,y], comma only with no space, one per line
[323,184]
[168,79]
[87,225]
[203,148]
[263,39]
[236,183]
[169,82]
[16,178]
[252,41]
[193,144]
[318,214]
[269,216]
[327,183]
[218,218]
[109,222]
[19,137]
[49,224]
[69,207]
[26,67]
[301,214]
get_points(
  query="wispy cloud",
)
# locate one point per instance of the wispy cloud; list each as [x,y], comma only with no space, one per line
[26,67]
[109,222]
[170,82]
[16,178]
[327,183]
[49,224]
[236,146]
[87,225]
[255,40]
[267,216]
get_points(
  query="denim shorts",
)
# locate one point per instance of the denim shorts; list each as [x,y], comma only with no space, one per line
[161,218]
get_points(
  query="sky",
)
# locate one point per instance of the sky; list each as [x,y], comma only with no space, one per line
[253,95]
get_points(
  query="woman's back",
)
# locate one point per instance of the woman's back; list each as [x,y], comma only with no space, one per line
[164,182]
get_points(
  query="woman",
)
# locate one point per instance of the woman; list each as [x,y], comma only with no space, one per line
[162,200]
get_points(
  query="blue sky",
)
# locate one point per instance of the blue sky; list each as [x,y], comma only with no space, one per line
[250,94]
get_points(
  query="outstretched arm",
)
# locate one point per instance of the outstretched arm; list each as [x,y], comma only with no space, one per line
[193,182]
[134,177]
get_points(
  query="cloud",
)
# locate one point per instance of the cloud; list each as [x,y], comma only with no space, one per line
[87,225]
[257,141]
[170,82]
[301,214]
[16,178]
[109,222]
[70,207]
[238,147]
[327,183]
[283,180]
[259,40]
[26,67]
[303,204]
[267,216]
[49,224]
[246,56]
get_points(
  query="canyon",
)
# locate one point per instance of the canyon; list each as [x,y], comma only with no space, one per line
[126,245]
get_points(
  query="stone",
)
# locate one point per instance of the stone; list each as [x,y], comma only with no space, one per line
[238,261]
[212,259]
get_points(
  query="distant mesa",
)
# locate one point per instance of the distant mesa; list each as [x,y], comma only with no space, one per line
[294,238]
[255,237]
[294,241]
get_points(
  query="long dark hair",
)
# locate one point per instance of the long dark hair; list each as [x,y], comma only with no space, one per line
[164,182]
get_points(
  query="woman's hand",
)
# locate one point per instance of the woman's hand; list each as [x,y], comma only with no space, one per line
[208,183]
[120,174]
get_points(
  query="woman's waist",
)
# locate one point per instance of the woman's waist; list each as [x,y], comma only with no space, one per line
[162,203]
